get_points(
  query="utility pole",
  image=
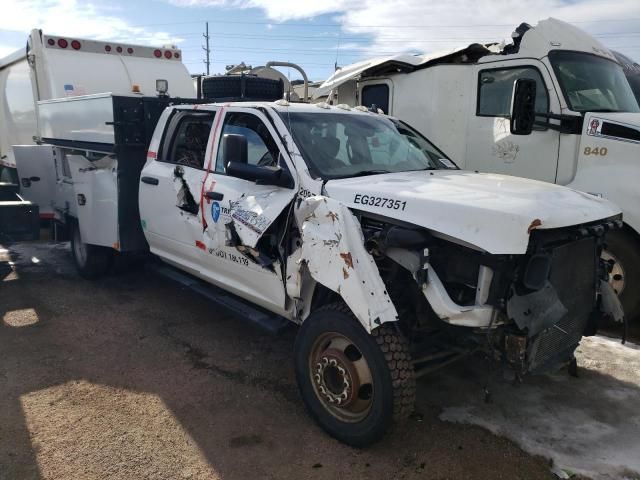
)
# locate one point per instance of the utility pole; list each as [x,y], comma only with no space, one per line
[205,47]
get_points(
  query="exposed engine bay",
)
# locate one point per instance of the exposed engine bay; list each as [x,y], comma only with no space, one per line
[542,302]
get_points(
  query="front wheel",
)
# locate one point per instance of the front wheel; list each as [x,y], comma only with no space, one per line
[91,261]
[623,257]
[354,384]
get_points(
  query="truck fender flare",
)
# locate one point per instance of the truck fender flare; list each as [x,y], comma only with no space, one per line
[334,255]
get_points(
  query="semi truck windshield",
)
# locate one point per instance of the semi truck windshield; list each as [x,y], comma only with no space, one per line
[593,84]
[339,145]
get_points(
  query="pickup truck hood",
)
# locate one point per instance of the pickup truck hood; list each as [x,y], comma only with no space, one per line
[491,212]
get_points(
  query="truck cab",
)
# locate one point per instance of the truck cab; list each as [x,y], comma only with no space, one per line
[587,127]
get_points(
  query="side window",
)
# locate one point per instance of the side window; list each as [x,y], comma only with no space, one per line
[190,137]
[377,95]
[261,148]
[495,88]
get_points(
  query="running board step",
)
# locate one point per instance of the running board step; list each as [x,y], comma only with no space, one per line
[268,321]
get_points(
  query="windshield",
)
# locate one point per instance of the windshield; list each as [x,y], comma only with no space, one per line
[339,145]
[593,84]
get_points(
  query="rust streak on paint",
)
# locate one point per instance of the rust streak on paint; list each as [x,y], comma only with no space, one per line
[345,273]
[333,216]
[535,224]
[348,260]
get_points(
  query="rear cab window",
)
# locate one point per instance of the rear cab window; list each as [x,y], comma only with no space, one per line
[186,138]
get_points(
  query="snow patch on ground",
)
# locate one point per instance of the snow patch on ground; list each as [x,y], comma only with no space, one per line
[588,425]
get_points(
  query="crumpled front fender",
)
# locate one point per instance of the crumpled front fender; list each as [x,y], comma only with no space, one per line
[333,250]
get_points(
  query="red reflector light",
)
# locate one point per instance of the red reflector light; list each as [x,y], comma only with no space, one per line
[129,50]
[177,55]
[75,45]
[51,42]
[107,48]
[119,49]
[157,53]
[167,54]
[62,43]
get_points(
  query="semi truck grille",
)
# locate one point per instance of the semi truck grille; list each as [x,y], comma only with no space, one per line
[573,275]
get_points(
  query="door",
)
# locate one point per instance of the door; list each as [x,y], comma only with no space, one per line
[36,166]
[490,145]
[171,187]
[245,221]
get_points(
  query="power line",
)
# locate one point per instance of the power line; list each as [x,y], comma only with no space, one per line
[312,24]
[383,39]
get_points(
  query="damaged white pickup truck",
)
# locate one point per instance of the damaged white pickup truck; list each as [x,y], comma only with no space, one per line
[356,227]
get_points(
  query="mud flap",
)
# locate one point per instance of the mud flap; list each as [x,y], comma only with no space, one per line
[333,250]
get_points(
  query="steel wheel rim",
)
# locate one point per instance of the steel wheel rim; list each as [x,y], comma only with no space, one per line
[341,377]
[616,272]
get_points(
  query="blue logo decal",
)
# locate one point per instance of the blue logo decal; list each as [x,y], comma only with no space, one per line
[215,211]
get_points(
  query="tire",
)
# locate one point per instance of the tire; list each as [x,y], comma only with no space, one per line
[242,87]
[91,261]
[331,339]
[624,250]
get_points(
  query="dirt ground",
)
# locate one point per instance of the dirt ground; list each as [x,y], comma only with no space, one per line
[134,377]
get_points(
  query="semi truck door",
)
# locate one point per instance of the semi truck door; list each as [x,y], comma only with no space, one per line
[490,145]
[170,188]
[244,219]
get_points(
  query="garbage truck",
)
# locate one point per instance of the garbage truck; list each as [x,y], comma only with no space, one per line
[587,121]
[55,66]
[348,223]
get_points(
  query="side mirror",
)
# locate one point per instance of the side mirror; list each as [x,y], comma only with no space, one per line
[234,147]
[523,106]
[262,175]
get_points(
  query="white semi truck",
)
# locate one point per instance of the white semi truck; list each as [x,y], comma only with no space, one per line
[52,66]
[587,130]
[349,223]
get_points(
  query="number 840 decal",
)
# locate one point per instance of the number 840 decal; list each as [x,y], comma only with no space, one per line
[602,151]
[379,202]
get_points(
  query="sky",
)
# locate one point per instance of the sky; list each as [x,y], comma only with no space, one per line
[316,35]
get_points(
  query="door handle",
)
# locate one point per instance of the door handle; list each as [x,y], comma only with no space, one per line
[214,195]
[150,180]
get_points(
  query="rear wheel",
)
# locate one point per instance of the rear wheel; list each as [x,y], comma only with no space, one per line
[354,384]
[623,257]
[91,261]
